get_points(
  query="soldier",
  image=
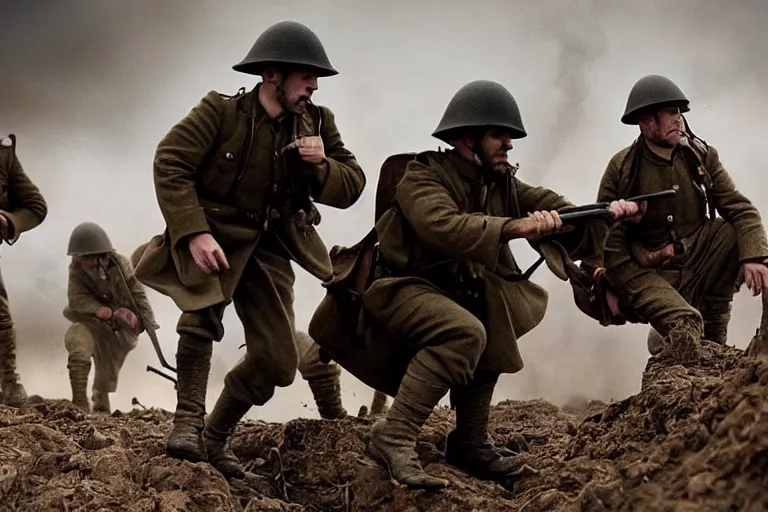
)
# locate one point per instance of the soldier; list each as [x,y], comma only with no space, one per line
[677,268]
[22,208]
[450,290]
[236,181]
[108,309]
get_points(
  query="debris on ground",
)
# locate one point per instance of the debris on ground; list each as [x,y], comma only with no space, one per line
[694,438]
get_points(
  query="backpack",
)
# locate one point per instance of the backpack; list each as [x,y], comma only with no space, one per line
[353,266]
[392,171]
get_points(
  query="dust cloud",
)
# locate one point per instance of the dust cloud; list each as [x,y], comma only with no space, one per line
[90,87]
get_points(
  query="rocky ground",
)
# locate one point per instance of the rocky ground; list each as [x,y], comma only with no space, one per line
[694,438]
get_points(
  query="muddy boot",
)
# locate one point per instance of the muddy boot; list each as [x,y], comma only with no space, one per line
[393,439]
[379,404]
[327,393]
[219,427]
[655,342]
[193,362]
[78,380]
[683,342]
[469,447]
[14,394]
[101,402]
[716,316]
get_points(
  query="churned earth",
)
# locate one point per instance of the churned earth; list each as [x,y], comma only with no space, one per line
[694,438]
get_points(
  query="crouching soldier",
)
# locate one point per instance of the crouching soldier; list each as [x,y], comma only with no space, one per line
[108,309]
[448,296]
[677,267]
[22,208]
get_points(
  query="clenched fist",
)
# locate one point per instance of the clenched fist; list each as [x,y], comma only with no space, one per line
[627,210]
[128,317]
[207,253]
[104,313]
[537,225]
[311,149]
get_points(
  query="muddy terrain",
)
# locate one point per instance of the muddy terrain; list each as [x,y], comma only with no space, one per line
[694,438]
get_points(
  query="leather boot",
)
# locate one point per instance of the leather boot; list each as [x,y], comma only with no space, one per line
[393,439]
[219,427]
[327,393]
[78,380]
[468,446]
[717,315]
[101,402]
[193,363]
[654,342]
[379,404]
[14,394]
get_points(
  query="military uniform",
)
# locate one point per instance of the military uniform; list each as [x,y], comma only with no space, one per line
[109,284]
[224,170]
[451,300]
[323,378]
[696,287]
[24,208]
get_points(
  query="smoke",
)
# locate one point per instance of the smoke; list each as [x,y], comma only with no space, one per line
[90,87]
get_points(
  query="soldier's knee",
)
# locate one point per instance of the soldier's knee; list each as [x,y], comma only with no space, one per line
[284,377]
[319,370]
[205,323]
[471,335]
[78,341]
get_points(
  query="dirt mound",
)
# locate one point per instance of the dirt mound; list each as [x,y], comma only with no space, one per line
[694,438]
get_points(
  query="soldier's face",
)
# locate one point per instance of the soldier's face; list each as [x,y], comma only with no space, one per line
[663,128]
[297,90]
[494,146]
[88,262]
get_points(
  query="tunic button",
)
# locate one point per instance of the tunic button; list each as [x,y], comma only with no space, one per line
[670,218]
[229,156]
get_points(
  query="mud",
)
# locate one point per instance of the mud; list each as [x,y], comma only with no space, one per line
[694,438]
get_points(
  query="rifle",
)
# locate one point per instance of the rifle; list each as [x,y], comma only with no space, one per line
[600,210]
[150,331]
[163,374]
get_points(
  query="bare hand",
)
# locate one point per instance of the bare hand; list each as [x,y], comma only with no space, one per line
[128,317]
[628,210]
[104,313]
[312,150]
[756,277]
[537,225]
[652,259]
[207,253]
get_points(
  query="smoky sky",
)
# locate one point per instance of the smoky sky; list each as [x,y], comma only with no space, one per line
[89,87]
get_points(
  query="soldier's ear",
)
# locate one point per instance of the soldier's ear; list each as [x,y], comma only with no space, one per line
[271,75]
